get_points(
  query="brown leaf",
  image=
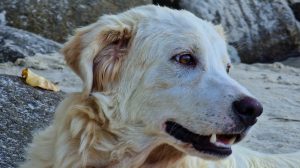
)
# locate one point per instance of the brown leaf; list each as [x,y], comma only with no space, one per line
[35,80]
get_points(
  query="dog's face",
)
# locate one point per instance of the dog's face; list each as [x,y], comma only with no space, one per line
[167,72]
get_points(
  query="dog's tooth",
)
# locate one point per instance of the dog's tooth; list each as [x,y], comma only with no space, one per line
[232,140]
[213,138]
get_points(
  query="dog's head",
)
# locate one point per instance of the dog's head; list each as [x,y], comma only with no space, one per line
[166,72]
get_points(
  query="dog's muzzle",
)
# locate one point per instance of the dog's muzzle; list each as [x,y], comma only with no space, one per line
[214,144]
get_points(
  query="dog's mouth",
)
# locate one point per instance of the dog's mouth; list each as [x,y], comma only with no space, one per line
[215,144]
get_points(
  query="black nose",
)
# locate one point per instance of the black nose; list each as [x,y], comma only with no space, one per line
[248,109]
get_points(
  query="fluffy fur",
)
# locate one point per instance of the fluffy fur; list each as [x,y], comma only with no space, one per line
[131,86]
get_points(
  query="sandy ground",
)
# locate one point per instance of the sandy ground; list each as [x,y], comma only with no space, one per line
[276,85]
[278,88]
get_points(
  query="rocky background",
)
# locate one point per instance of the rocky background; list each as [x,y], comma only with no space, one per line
[23,109]
[16,43]
[56,19]
[261,31]
[32,31]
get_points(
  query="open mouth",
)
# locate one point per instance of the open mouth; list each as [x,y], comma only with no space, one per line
[215,144]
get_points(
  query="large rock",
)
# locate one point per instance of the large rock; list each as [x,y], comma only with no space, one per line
[23,109]
[56,19]
[16,44]
[296,9]
[2,18]
[262,31]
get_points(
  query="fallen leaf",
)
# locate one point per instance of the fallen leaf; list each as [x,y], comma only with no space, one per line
[35,80]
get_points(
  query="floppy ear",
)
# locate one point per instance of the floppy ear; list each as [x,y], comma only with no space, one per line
[95,53]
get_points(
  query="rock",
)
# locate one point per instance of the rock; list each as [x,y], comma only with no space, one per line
[293,61]
[261,31]
[169,3]
[234,56]
[296,10]
[16,44]
[23,109]
[293,1]
[2,18]
[56,19]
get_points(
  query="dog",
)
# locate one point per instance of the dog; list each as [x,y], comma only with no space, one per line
[156,93]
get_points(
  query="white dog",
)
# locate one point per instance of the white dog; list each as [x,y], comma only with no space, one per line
[156,94]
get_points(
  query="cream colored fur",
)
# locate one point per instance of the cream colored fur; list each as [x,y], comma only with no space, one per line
[131,87]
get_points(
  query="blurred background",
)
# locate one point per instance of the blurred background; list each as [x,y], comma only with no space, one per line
[261,31]
[263,42]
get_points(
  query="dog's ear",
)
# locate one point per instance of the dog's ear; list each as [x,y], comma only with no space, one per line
[96,52]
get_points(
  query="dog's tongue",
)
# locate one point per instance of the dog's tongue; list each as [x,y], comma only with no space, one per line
[224,139]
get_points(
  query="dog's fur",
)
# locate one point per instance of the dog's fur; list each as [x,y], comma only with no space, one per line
[132,86]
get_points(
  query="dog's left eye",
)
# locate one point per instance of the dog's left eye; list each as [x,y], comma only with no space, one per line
[185,59]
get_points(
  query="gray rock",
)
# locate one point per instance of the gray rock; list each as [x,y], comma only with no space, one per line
[261,31]
[175,4]
[234,56]
[23,109]
[293,1]
[56,19]
[15,43]
[296,10]
[2,18]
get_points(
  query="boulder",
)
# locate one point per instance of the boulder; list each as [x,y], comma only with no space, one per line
[296,10]
[15,43]
[23,109]
[175,4]
[2,18]
[56,19]
[262,31]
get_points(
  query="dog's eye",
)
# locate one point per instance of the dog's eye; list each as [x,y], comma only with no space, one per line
[185,59]
[228,68]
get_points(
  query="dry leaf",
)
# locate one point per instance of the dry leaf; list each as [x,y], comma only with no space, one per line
[35,80]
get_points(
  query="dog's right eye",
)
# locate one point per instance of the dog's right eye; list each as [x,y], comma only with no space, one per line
[185,59]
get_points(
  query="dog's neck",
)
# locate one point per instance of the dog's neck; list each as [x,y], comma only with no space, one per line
[136,151]
[117,144]
[163,156]
[160,156]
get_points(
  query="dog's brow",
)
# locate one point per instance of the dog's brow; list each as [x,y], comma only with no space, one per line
[192,50]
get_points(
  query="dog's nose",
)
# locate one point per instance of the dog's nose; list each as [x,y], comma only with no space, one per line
[248,109]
